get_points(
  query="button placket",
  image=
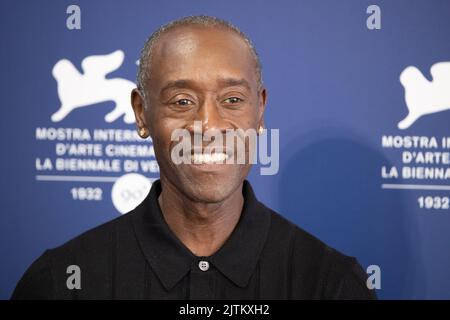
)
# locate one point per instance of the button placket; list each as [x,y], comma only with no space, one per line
[201,279]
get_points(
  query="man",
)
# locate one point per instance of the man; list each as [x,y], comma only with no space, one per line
[200,233]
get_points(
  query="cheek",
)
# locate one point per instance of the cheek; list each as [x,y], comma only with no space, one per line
[250,117]
[162,130]
[247,122]
[155,123]
[244,118]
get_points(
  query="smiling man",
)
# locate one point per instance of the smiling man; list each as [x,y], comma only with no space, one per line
[200,233]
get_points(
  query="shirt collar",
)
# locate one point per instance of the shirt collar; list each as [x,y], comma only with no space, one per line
[171,260]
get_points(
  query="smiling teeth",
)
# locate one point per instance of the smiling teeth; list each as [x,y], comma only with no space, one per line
[199,158]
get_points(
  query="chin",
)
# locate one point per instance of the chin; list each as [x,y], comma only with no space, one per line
[214,195]
[211,187]
[211,190]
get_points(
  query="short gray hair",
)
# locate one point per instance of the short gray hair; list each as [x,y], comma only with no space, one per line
[201,20]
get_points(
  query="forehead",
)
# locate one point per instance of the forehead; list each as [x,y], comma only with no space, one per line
[202,54]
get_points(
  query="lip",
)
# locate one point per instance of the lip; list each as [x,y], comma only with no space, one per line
[209,167]
[229,152]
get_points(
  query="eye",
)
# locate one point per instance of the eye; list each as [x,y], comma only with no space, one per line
[184,102]
[233,100]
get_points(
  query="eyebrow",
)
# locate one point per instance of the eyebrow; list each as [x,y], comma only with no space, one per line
[186,83]
[234,82]
[181,83]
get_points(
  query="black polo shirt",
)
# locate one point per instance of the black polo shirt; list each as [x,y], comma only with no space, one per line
[136,256]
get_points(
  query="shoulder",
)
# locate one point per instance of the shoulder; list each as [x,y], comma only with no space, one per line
[315,267]
[97,239]
[36,283]
[302,243]
[91,250]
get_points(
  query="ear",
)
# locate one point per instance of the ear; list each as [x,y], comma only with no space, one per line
[262,99]
[138,104]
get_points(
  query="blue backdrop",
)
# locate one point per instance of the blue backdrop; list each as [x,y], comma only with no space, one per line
[334,91]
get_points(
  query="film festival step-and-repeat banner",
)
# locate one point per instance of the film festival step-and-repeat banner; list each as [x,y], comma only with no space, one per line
[359,90]
[87,154]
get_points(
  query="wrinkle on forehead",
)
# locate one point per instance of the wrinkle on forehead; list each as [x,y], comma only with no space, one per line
[201,48]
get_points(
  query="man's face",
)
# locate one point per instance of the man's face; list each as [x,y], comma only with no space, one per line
[200,74]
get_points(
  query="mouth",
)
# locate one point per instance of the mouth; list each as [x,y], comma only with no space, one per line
[199,157]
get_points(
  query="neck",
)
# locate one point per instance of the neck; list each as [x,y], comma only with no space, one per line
[202,227]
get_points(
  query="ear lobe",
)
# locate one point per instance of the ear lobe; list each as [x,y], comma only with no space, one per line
[262,123]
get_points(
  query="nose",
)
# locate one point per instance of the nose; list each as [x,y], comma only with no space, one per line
[211,117]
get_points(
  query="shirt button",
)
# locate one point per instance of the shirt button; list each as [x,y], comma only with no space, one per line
[203,265]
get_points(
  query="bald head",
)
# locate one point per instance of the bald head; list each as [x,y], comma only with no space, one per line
[188,24]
